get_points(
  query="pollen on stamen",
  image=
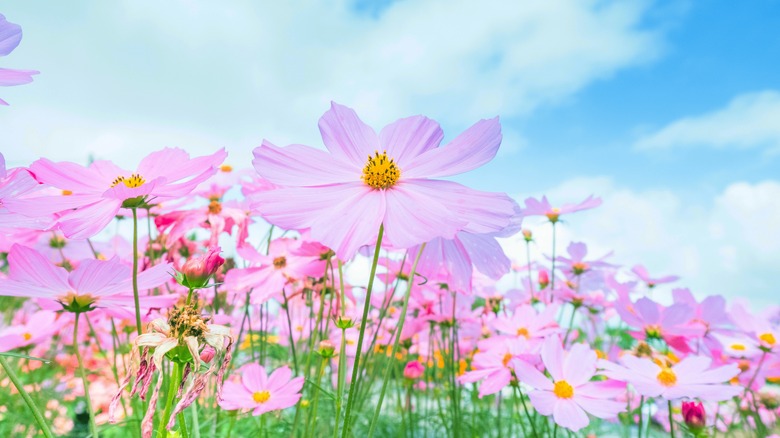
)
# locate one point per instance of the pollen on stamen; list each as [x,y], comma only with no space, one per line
[133,181]
[380,171]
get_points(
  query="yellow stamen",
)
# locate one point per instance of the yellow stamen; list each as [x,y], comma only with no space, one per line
[507,358]
[280,262]
[135,180]
[226,168]
[380,172]
[27,336]
[769,338]
[261,397]
[563,389]
[667,377]
[522,331]
[67,192]
[738,347]
[215,207]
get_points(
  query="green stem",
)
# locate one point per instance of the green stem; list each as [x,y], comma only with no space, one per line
[342,356]
[135,273]
[83,371]
[671,420]
[189,297]
[173,388]
[527,414]
[571,324]
[641,416]
[27,399]
[290,330]
[195,420]
[397,341]
[363,322]
[552,271]
[313,413]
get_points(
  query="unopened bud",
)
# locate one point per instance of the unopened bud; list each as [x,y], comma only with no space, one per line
[544,279]
[197,271]
[327,349]
[527,235]
[207,354]
[693,414]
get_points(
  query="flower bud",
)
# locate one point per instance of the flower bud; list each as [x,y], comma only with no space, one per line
[693,414]
[527,235]
[544,279]
[196,272]
[414,370]
[344,322]
[327,349]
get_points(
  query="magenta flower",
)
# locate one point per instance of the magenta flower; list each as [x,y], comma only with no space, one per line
[91,196]
[197,271]
[10,37]
[535,207]
[367,179]
[570,393]
[691,377]
[493,363]
[261,392]
[30,274]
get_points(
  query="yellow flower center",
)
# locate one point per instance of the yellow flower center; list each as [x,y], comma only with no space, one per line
[738,347]
[522,331]
[280,262]
[27,336]
[507,358]
[226,168]
[563,389]
[133,181]
[769,338]
[667,377]
[261,397]
[67,192]
[215,207]
[380,172]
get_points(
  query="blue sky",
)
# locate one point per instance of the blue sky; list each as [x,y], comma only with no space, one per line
[669,110]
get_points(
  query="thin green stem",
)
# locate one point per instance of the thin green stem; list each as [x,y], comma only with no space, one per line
[27,399]
[641,415]
[398,332]
[342,355]
[173,388]
[671,420]
[84,380]
[136,300]
[363,322]
[315,402]
[290,330]
[527,413]
[552,270]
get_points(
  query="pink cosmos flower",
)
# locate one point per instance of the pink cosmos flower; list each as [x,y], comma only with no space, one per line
[91,196]
[570,394]
[261,392]
[576,264]
[10,37]
[38,327]
[643,275]
[369,179]
[13,184]
[92,284]
[197,271]
[493,364]
[691,377]
[528,323]
[535,207]
[672,323]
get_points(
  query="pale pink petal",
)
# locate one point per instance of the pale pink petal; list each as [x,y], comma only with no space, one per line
[716,375]
[68,176]
[254,378]
[409,137]
[298,165]
[10,77]
[87,221]
[552,356]
[486,254]
[296,208]
[92,276]
[414,216]
[10,36]
[346,136]
[495,382]
[27,265]
[531,376]
[351,223]
[648,310]
[278,378]
[692,365]
[543,401]
[703,392]
[569,415]
[579,365]
[235,396]
[472,148]
[603,389]
[45,205]
[175,164]
[599,407]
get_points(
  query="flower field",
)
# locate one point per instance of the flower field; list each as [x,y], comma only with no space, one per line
[347,291]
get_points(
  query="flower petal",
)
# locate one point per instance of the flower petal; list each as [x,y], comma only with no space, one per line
[298,165]
[346,136]
[409,137]
[569,415]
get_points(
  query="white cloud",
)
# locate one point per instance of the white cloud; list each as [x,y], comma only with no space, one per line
[728,245]
[234,74]
[749,120]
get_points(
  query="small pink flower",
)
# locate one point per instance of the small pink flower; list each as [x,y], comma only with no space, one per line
[414,370]
[570,394]
[261,392]
[693,415]
[535,207]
